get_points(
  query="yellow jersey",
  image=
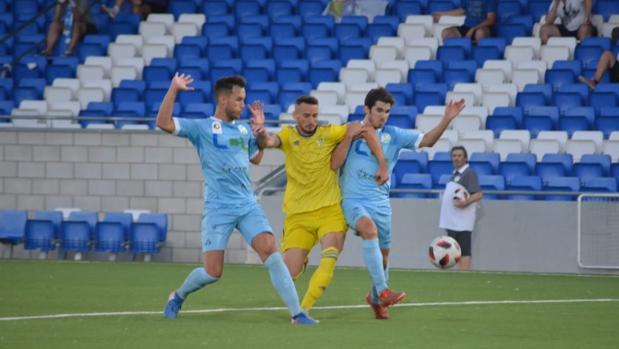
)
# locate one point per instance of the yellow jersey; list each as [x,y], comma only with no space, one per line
[312,184]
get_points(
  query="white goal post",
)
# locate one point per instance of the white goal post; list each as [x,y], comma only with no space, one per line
[598,231]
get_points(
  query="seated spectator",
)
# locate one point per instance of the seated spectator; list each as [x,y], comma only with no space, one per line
[480,18]
[575,18]
[608,61]
[72,19]
[138,7]
[368,8]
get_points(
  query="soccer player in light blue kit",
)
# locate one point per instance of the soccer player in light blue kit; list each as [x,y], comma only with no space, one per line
[365,203]
[226,146]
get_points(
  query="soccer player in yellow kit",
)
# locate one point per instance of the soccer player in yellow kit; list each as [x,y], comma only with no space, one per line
[312,198]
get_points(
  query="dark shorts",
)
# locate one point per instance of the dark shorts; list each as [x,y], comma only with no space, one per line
[564,32]
[464,29]
[464,239]
[614,72]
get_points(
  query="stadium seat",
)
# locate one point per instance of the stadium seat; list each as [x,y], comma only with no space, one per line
[524,183]
[160,221]
[414,181]
[592,166]
[599,184]
[504,118]
[517,165]
[561,184]
[12,226]
[42,230]
[576,119]
[491,183]
[77,232]
[554,165]
[607,120]
[440,165]
[485,163]
[541,119]
[144,238]
[410,162]
[121,220]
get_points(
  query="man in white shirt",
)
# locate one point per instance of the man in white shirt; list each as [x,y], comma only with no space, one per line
[575,16]
[458,208]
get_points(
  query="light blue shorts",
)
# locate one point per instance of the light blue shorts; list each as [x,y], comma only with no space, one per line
[379,213]
[219,223]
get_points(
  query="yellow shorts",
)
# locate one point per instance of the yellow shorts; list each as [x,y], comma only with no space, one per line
[305,229]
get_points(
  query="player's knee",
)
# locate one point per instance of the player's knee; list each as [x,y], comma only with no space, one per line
[215,271]
[330,252]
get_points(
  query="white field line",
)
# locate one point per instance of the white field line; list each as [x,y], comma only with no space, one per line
[328,307]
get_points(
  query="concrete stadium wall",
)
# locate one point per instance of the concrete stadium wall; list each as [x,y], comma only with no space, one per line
[111,171]
[107,170]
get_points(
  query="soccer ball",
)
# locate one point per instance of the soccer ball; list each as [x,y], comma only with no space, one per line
[444,252]
[461,193]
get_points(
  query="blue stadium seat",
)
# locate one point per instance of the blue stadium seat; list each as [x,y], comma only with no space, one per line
[42,230]
[591,166]
[228,67]
[376,30]
[538,8]
[346,31]
[440,5]
[112,232]
[588,54]
[491,183]
[130,110]
[271,112]
[607,120]
[576,119]
[256,48]
[315,30]
[160,220]
[191,46]
[426,72]
[262,20]
[561,184]
[509,31]
[534,95]
[595,41]
[430,94]
[198,110]
[402,93]
[447,54]
[485,163]
[554,165]
[310,8]
[571,96]
[259,70]
[505,118]
[124,94]
[5,109]
[324,71]
[440,165]
[30,67]
[77,231]
[222,48]
[574,65]
[215,8]
[144,238]
[279,8]
[291,91]
[179,7]
[507,9]
[559,77]
[457,72]
[12,226]
[442,182]
[414,181]
[294,70]
[403,9]
[266,92]
[606,8]
[288,48]
[211,30]
[195,67]
[402,116]
[321,49]
[283,30]
[599,184]
[245,8]
[228,20]
[355,49]
[517,165]
[488,48]
[410,162]
[541,119]
[524,183]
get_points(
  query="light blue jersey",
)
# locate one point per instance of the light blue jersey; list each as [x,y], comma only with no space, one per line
[357,178]
[361,195]
[224,150]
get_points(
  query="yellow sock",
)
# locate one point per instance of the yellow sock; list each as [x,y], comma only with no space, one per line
[321,278]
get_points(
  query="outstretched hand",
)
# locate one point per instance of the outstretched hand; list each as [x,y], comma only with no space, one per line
[181,82]
[257,120]
[453,109]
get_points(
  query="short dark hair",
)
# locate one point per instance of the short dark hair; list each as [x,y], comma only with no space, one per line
[227,83]
[307,100]
[459,147]
[378,94]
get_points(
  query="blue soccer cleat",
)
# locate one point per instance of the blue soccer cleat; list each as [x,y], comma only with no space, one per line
[303,319]
[173,306]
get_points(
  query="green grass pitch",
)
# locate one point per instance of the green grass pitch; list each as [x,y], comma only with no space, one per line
[438,316]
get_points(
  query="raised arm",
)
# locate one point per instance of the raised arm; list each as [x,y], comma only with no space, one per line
[264,138]
[552,14]
[338,157]
[164,116]
[451,111]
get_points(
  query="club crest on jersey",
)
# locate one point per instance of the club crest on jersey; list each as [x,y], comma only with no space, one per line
[385,138]
[216,128]
[242,129]
[297,142]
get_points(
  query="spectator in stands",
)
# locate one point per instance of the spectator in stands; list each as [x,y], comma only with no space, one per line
[575,16]
[458,208]
[72,20]
[139,7]
[608,61]
[480,18]
[368,8]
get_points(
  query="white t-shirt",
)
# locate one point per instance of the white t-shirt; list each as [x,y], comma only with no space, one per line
[571,12]
[452,217]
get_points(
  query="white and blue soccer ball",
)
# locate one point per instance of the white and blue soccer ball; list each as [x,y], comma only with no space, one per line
[444,252]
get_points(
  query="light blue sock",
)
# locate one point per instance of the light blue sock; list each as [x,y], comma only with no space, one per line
[282,281]
[197,279]
[375,298]
[374,261]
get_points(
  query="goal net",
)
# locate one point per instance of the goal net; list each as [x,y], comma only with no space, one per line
[598,231]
